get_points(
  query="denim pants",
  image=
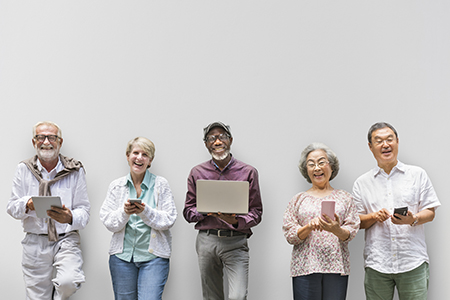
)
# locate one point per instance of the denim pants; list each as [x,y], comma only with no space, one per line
[138,280]
[216,254]
[41,258]
[320,286]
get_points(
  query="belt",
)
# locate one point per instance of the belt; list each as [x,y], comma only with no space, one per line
[223,232]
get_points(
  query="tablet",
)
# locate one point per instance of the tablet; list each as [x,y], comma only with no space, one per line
[225,196]
[44,203]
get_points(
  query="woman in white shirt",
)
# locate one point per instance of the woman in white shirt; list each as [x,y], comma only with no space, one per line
[139,209]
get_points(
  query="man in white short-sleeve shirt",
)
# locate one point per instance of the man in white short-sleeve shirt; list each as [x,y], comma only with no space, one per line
[395,251]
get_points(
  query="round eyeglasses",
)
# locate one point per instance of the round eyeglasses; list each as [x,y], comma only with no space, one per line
[320,164]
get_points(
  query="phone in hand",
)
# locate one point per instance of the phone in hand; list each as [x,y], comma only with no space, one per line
[134,200]
[401,211]
[328,207]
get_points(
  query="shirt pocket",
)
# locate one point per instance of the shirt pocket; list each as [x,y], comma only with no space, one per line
[410,194]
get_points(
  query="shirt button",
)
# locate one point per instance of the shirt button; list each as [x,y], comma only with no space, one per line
[153,235]
[150,250]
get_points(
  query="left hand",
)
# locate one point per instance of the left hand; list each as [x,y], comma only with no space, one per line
[328,224]
[403,220]
[62,214]
[229,218]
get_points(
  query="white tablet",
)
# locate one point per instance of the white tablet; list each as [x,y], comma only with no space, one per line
[223,196]
[44,203]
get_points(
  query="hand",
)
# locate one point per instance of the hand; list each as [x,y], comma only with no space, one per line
[30,205]
[314,224]
[327,224]
[403,220]
[62,214]
[135,208]
[382,215]
[229,218]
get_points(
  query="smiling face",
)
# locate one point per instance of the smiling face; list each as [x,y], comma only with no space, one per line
[138,160]
[47,151]
[319,170]
[219,150]
[384,146]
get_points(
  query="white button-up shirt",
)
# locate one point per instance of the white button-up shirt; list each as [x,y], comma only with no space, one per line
[391,248]
[72,190]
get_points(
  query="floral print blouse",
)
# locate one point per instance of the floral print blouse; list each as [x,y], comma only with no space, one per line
[320,251]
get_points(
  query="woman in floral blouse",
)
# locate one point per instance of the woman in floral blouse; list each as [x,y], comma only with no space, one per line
[320,263]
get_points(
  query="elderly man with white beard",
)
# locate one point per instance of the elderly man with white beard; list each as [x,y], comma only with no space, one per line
[222,238]
[51,260]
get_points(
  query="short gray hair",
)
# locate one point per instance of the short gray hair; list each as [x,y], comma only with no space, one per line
[377,126]
[331,157]
[144,143]
[49,123]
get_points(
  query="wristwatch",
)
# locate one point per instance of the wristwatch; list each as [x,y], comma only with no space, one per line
[416,220]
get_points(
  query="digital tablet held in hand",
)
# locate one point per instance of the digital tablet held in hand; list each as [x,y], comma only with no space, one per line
[401,211]
[328,207]
[44,203]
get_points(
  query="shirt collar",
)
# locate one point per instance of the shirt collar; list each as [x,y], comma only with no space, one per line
[145,182]
[59,166]
[400,167]
[229,163]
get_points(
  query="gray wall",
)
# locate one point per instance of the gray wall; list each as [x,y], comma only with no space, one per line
[281,73]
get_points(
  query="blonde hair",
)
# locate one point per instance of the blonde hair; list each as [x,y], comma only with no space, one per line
[144,143]
[47,123]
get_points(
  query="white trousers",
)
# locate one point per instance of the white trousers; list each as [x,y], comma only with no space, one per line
[52,270]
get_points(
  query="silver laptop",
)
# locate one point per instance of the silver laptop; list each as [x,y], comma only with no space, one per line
[223,196]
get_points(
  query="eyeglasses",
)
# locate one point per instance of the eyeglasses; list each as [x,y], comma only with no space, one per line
[389,141]
[320,164]
[222,137]
[51,138]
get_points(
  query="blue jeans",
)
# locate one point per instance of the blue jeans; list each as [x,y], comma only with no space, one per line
[141,280]
[319,286]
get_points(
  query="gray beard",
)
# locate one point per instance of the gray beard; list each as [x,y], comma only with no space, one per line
[47,155]
[220,157]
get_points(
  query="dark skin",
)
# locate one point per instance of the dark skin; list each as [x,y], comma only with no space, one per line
[218,147]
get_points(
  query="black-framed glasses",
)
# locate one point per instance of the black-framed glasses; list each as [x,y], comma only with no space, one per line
[222,137]
[41,138]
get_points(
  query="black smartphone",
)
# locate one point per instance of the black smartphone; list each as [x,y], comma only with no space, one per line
[401,211]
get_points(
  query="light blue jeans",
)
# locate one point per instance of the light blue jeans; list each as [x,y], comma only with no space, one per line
[216,254]
[141,280]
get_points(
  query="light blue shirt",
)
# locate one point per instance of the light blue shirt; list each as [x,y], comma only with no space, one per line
[137,233]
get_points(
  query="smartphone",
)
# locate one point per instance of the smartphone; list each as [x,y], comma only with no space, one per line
[401,211]
[328,207]
[132,201]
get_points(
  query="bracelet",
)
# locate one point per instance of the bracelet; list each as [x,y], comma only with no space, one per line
[416,220]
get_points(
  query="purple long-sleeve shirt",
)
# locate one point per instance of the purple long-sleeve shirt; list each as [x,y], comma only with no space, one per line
[235,170]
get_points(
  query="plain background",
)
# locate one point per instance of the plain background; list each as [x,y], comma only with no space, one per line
[283,74]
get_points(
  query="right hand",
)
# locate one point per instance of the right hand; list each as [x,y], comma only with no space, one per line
[30,205]
[314,224]
[382,215]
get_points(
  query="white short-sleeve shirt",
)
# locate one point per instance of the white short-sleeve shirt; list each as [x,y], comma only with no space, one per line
[391,248]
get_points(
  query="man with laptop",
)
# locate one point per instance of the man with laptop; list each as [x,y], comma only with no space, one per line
[51,260]
[223,228]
